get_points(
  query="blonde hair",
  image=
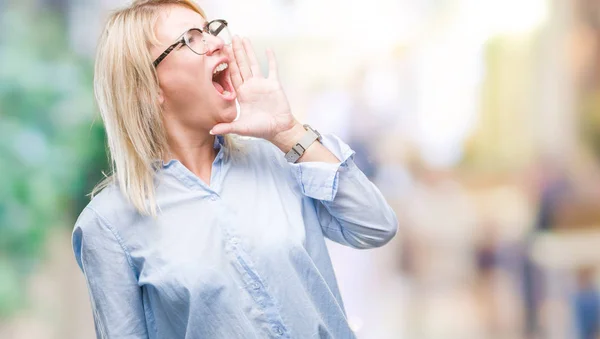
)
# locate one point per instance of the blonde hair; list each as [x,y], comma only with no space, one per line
[126,88]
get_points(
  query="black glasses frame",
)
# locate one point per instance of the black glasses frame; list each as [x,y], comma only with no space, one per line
[182,39]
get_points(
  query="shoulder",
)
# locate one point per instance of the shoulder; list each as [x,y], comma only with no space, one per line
[109,205]
[103,216]
[92,230]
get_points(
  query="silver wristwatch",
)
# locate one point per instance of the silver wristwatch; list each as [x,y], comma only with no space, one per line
[301,146]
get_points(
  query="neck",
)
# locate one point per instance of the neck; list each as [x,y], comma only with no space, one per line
[194,149]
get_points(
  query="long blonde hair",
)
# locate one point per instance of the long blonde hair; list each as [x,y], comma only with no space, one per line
[126,88]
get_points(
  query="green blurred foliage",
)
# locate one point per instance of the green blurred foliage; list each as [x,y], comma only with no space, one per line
[51,150]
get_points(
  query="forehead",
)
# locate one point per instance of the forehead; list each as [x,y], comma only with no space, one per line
[174,20]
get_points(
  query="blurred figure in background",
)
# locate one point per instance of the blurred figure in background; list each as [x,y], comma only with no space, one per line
[587,304]
[553,187]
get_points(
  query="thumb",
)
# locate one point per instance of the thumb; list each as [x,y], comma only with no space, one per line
[224,128]
[235,127]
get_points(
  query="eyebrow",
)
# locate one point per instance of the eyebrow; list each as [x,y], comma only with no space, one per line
[195,25]
[188,26]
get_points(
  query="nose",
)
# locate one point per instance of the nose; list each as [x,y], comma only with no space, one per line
[213,44]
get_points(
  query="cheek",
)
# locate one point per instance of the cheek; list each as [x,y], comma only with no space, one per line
[184,84]
[194,70]
[190,79]
[185,73]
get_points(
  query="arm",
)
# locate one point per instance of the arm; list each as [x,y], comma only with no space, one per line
[115,296]
[350,208]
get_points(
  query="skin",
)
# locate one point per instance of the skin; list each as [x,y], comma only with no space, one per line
[194,111]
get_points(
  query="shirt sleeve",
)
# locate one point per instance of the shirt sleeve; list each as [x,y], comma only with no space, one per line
[115,295]
[351,210]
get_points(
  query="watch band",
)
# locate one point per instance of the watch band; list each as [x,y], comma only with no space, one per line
[300,147]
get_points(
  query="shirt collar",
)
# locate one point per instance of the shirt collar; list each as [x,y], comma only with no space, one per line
[219,142]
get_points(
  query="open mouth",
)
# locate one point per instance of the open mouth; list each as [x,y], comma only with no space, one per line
[220,80]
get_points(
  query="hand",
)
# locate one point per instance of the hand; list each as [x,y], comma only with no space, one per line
[264,108]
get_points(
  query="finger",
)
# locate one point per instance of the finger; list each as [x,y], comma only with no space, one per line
[241,58]
[254,65]
[235,127]
[273,73]
[234,70]
[222,129]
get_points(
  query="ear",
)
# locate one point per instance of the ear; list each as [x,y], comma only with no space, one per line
[161,97]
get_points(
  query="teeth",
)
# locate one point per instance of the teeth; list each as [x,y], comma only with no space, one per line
[226,93]
[220,68]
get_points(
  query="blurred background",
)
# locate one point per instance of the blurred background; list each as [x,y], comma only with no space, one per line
[478,119]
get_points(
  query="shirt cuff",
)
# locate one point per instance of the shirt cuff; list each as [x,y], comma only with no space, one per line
[319,180]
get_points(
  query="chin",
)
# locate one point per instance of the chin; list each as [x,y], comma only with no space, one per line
[228,114]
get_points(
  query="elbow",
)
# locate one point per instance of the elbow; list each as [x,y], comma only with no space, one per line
[380,238]
[381,233]
[388,230]
[392,230]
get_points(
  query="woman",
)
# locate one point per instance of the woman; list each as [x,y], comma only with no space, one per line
[201,235]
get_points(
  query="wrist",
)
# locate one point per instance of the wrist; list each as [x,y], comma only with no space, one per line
[285,140]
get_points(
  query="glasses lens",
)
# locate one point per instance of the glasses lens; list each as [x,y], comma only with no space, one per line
[220,29]
[195,41]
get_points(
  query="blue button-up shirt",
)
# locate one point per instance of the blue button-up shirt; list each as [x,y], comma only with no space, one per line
[242,258]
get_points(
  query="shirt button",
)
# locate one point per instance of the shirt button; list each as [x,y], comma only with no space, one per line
[234,241]
[278,330]
[255,286]
[213,197]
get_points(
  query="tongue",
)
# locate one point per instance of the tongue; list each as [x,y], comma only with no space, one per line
[218,86]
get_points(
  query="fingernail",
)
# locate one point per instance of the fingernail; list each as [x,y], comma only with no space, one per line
[211,132]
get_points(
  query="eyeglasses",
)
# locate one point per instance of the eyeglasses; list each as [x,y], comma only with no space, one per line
[195,40]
